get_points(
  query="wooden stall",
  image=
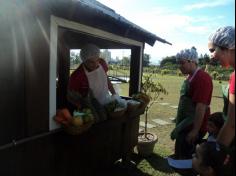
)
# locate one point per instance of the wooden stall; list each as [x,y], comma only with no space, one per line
[35,42]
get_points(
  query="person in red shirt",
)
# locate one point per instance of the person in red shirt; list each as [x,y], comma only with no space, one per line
[222,47]
[193,110]
[91,75]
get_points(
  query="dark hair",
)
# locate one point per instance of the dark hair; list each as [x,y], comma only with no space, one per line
[217,119]
[214,157]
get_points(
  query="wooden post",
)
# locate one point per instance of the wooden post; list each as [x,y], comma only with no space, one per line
[135,69]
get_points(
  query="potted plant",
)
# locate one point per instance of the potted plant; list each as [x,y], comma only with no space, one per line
[147,140]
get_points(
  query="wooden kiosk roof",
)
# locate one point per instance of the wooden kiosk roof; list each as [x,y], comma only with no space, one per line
[97,15]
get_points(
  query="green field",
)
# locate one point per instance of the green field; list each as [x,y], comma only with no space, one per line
[156,165]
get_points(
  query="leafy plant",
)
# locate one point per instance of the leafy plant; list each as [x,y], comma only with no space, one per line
[154,90]
[214,74]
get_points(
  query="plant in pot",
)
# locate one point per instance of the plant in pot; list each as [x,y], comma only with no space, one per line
[147,140]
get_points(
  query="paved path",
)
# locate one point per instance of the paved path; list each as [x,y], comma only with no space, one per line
[164,104]
[168,104]
[142,124]
[161,122]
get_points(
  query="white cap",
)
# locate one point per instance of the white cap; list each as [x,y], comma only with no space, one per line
[224,37]
[89,51]
[188,54]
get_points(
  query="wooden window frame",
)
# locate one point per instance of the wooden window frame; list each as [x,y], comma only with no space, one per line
[57,22]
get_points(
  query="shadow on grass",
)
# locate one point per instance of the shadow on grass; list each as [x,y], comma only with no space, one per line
[159,163]
[156,161]
[122,169]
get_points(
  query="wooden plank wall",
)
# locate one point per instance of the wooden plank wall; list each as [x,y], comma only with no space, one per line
[60,154]
[12,76]
[37,44]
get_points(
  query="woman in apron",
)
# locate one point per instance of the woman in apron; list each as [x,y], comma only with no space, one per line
[90,78]
[193,109]
[222,47]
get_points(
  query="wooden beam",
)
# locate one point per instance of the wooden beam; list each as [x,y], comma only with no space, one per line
[135,69]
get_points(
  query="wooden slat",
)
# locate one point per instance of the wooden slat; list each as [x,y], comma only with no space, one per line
[62,154]
[11,79]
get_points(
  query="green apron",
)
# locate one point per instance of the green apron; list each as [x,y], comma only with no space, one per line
[225,92]
[186,110]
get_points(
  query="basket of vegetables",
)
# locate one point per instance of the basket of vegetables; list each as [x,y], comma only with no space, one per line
[80,122]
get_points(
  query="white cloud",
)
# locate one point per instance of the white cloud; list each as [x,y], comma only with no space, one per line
[177,27]
[197,29]
[207,4]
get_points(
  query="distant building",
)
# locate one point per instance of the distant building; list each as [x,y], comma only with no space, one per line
[106,55]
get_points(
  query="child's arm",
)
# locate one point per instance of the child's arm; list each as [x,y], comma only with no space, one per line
[227,133]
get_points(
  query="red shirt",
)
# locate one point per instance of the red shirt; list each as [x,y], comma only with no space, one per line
[78,80]
[232,83]
[201,88]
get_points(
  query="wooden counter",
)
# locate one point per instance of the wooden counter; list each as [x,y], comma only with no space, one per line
[60,154]
[99,147]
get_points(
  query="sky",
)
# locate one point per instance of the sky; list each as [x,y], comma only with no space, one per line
[184,23]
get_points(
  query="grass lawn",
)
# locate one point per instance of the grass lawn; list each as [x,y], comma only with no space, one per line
[156,165]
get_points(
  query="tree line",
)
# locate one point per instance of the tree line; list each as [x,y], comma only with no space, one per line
[168,65]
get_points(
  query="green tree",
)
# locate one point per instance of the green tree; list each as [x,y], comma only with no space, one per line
[204,59]
[153,90]
[168,60]
[77,59]
[125,61]
[146,60]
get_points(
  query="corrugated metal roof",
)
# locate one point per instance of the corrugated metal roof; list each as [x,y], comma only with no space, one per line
[99,8]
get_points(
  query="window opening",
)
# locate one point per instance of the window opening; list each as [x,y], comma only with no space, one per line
[118,61]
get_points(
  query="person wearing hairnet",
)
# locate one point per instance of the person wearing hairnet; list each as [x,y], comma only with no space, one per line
[91,75]
[193,108]
[221,44]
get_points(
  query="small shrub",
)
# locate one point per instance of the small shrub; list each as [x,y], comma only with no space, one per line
[154,90]
[164,72]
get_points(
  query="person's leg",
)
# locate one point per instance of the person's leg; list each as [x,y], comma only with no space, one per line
[183,150]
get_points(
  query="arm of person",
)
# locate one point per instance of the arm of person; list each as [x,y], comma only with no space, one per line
[227,133]
[181,126]
[110,87]
[197,122]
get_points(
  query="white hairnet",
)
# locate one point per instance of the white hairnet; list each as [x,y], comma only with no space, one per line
[88,51]
[189,54]
[224,37]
